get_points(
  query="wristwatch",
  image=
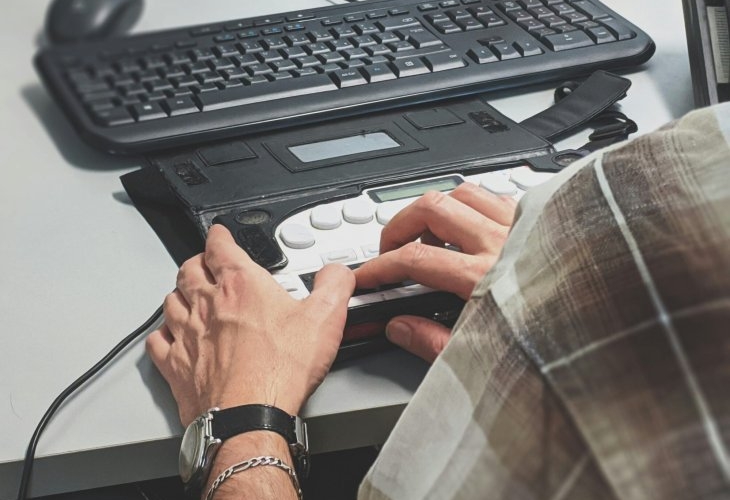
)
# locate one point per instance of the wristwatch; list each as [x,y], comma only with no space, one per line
[205,435]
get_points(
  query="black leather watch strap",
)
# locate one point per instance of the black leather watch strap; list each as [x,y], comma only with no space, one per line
[233,421]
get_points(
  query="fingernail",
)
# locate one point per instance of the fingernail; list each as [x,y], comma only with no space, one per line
[399,332]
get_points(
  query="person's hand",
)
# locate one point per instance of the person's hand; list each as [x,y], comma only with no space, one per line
[470,218]
[234,336]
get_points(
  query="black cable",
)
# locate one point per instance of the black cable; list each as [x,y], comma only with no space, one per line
[30,453]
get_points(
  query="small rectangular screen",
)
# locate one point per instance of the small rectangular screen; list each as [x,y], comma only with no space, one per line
[334,148]
[415,189]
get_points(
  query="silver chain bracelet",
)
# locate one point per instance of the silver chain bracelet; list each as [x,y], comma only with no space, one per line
[250,464]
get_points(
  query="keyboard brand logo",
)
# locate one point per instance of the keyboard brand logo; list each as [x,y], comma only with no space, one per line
[189,174]
[488,122]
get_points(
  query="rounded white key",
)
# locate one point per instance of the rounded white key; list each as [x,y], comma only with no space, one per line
[371,250]
[526,178]
[296,236]
[325,217]
[357,211]
[344,255]
[386,211]
[498,184]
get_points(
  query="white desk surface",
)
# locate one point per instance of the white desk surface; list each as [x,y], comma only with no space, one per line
[80,269]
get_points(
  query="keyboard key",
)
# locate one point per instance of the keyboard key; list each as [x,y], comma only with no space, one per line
[330,57]
[274,90]
[317,48]
[397,23]
[589,9]
[497,184]
[400,46]
[480,11]
[505,51]
[565,41]
[417,52]
[179,106]
[339,256]
[492,21]
[357,211]
[348,78]
[268,20]
[575,17]
[528,48]
[601,35]
[365,28]
[469,24]
[378,72]
[447,27]
[424,7]
[363,41]
[351,54]
[482,55]
[296,236]
[306,61]
[620,31]
[284,65]
[562,8]
[408,67]
[299,16]
[420,38]
[259,69]
[147,111]
[444,61]
[113,117]
[325,217]
[456,14]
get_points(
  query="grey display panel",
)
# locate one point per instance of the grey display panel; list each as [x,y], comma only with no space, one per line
[334,148]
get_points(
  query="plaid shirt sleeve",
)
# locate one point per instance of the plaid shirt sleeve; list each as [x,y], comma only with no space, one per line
[593,361]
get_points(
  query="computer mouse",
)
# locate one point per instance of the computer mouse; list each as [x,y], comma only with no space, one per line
[77,20]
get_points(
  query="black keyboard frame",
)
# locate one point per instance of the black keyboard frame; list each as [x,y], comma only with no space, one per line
[145,136]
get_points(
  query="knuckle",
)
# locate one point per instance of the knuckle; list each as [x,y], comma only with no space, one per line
[415,254]
[431,201]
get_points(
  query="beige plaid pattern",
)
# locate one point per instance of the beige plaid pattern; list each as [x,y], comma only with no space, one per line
[593,361]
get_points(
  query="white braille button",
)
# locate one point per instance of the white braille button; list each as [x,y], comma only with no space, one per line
[296,236]
[371,250]
[526,178]
[387,211]
[344,255]
[288,284]
[497,184]
[325,217]
[357,211]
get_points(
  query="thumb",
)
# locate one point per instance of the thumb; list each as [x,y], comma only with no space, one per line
[333,287]
[419,336]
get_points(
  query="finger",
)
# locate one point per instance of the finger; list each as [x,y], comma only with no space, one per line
[448,219]
[333,287]
[420,336]
[193,277]
[427,238]
[222,252]
[488,204]
[435,267]
[158,345]
[176,310]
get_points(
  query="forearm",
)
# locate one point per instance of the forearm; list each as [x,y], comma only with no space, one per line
[263,482]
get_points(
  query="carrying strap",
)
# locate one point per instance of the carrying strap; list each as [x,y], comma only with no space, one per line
[578,104]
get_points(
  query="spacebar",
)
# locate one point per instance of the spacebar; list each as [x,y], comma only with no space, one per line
[280,89]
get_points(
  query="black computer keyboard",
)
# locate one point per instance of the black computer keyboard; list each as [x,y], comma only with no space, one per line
[160,90]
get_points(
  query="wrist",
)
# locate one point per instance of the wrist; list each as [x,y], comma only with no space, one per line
[243,447]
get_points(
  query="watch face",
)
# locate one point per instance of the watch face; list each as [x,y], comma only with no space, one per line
[191,450]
